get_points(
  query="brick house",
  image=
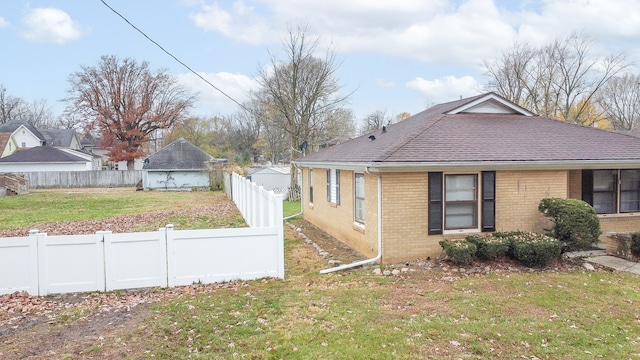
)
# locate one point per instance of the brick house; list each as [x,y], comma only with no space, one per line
[478,164]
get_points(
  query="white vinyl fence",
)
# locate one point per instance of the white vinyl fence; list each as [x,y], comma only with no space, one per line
[40,264]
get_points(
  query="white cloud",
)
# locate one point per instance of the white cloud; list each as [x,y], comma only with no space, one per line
[451,32]
[212,101]
[50,25]
[241,22]
[3,23]
[445,89]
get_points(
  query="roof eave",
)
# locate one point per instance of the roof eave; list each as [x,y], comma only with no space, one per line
[382,167]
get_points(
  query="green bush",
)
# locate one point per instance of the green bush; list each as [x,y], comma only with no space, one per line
[490,247]
[635,244]
[459,252]
[576,223]
[535,250]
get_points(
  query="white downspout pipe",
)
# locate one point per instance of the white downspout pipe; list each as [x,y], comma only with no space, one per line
[379,256]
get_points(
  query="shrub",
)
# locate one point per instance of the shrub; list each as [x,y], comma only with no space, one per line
[576,223]
[459,252]
[535,250]
[635,244]
[490,247]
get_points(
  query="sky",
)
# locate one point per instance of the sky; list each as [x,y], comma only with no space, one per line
[394,55]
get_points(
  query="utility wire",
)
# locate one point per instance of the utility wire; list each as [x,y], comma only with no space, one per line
[175,58]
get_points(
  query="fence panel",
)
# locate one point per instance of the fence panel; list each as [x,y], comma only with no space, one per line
[19,259]
[223,255]
[41,264]
[135,260]
[70,263]
[79,179]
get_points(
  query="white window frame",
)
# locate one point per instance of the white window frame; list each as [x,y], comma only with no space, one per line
[477,202]
[359,201]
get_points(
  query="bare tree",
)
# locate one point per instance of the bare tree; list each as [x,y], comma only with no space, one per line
[302,88]
[126,102]
[620,101]
[11,107]
[375,121]
[559,80]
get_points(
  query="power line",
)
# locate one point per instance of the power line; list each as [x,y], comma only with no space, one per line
[175,58]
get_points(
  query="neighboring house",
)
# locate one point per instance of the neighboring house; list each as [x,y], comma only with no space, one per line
[43,158]
[23,133]
[8,144]
[61,138]
[178,166]
[479,164]
[276,179]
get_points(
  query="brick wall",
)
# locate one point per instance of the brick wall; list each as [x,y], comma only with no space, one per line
[405,205]
[338,220]
[518,194]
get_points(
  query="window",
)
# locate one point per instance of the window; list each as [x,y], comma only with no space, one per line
[310,186]
[454,202]
[460,202]
[24,144]
[612,191]
[359,198]
[629,190]
[333,186]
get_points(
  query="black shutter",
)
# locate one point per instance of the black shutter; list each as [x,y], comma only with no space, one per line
[435,203]
[328,185]
[488,201]
[337,187]
[587,186]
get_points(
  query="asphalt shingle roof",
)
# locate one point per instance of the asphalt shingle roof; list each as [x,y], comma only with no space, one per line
[40,154]
[433,136]
[180,154]
[58,137]
[13,125]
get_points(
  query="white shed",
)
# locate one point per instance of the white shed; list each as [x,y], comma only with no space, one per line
[276,179]
[178,166]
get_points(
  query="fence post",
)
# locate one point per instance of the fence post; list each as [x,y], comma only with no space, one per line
[171,255]
[277,219]
[105,280]
[34,286]
[43,279]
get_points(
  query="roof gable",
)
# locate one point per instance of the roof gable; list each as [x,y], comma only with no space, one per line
[490,103]
[59,137]
[179,155]
[14,125]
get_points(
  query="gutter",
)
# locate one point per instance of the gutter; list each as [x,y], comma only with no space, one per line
[407,166]
[301,197]
[379,256]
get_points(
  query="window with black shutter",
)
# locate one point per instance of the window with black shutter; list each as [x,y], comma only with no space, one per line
[435,203]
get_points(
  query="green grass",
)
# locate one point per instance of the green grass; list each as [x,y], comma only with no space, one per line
[429,313]
[352,316]
[51,206]
[290,208]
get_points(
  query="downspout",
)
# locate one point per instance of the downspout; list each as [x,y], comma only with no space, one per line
[379,256]
[301,197]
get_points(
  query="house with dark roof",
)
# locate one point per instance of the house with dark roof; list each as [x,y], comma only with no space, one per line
[178,166]
[61,138]
[479,164]
[23,133]
[44,158]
